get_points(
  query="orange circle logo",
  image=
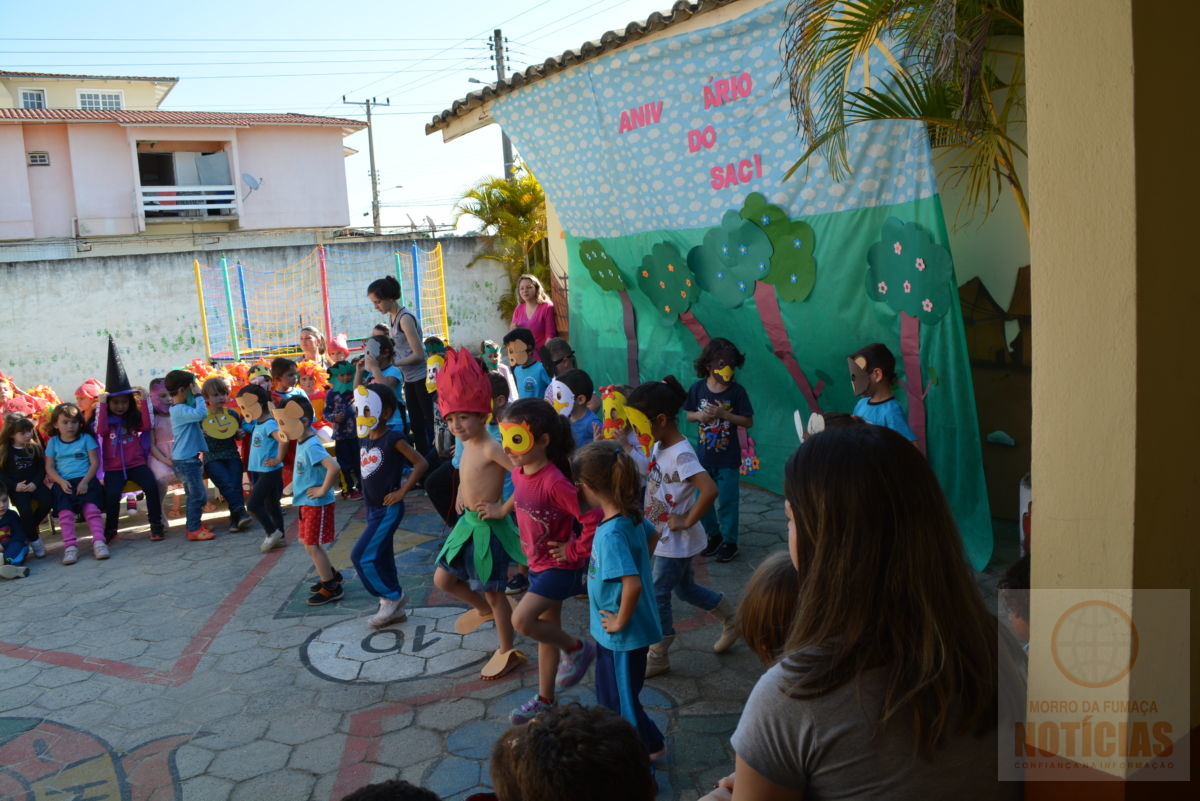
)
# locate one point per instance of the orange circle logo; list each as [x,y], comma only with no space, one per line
[1094,644]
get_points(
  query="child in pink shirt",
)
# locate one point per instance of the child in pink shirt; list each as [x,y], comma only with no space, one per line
[538,440]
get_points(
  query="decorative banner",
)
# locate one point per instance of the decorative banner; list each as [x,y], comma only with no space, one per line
[665,163]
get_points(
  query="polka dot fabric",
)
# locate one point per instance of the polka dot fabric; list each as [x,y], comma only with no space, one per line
[614,162]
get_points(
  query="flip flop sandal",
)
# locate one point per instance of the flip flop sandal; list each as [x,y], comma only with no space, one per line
[502,663]
[471,620]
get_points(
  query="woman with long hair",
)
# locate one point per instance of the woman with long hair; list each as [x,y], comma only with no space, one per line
[888,683]
[405,330]
[534,310]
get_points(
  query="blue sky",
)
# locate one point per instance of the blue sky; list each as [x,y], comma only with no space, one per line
[302,56]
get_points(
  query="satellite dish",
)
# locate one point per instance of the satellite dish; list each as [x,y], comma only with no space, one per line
[252,182]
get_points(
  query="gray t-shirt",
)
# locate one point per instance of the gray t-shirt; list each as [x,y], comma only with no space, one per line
[412,372]
[824,748]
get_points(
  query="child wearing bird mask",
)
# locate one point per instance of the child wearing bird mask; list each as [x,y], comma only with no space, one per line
[339,412]
[719,405]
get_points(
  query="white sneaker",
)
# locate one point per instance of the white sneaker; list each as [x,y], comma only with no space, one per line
[39,550]
[100,549]
[272,540]
[13,572]
[70,555]
[389,612]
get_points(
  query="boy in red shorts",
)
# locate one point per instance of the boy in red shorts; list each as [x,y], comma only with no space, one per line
[313,479]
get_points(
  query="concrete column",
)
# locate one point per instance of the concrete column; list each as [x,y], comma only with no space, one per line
[1113,181]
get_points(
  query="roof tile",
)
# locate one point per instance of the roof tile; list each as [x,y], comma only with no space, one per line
[202,118]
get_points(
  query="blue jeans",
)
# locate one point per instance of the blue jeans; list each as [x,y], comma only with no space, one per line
[676,575]
[722,519]
[373,556]
[191,473]
[227,475]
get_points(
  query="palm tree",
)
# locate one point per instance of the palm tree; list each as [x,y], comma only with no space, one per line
[950,72]
[513,214]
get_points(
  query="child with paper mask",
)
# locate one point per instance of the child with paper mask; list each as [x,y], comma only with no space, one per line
[383,452]
[546,501]
[223,464]
[339,412]
[265,464]
[489,352]
[313,478]
[473,562]
[720,405]
[570,393]
[187,412]
[530,375]
[377,367]
[678,494]
[627,426]
[873,374]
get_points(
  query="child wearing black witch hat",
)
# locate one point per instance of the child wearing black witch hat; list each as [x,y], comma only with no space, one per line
[122,421]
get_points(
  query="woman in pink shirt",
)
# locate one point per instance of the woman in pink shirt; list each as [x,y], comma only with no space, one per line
[535,311]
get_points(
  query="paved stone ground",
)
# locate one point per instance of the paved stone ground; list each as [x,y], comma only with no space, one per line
[195,671]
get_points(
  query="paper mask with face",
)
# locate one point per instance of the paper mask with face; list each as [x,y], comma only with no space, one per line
[516,438]
[561,398]
[724,373]
[291,420]
[518,353]
[260,374]
[641,428]
[860,377]
[612,406]
[433,366]
[341,376]
[491,354]
[220,424]
[368,408]
[371,346]
[249,406]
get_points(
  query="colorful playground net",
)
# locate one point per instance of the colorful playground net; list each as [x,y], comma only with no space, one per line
[248,311]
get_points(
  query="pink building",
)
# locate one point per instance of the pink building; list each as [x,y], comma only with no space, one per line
[87,172]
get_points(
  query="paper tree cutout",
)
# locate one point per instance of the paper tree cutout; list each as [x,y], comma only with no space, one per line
[733,257]
[665,278]
[910,272]
[600,266]
[604,272]
[793,268]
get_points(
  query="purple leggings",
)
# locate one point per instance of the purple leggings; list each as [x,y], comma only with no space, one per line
[95,522]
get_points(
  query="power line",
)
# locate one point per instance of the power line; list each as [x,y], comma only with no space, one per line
[480,34]
[237,52]
[227,39]
[543,34]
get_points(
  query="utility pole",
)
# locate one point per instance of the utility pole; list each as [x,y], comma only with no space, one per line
[498,47]
[371,152]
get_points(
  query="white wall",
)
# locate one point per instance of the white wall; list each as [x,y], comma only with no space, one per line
[58,314]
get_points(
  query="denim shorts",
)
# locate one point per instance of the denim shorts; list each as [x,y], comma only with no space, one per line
[557,584]
[462,567]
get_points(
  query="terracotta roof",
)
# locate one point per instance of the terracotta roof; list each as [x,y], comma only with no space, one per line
[220,119]
[681,11]
[13,74]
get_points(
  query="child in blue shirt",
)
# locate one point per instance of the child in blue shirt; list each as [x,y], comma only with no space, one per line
[584,422]
[188,410]
[530,375]
[624,614]
[873,374]
[265,464]
[312,494]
